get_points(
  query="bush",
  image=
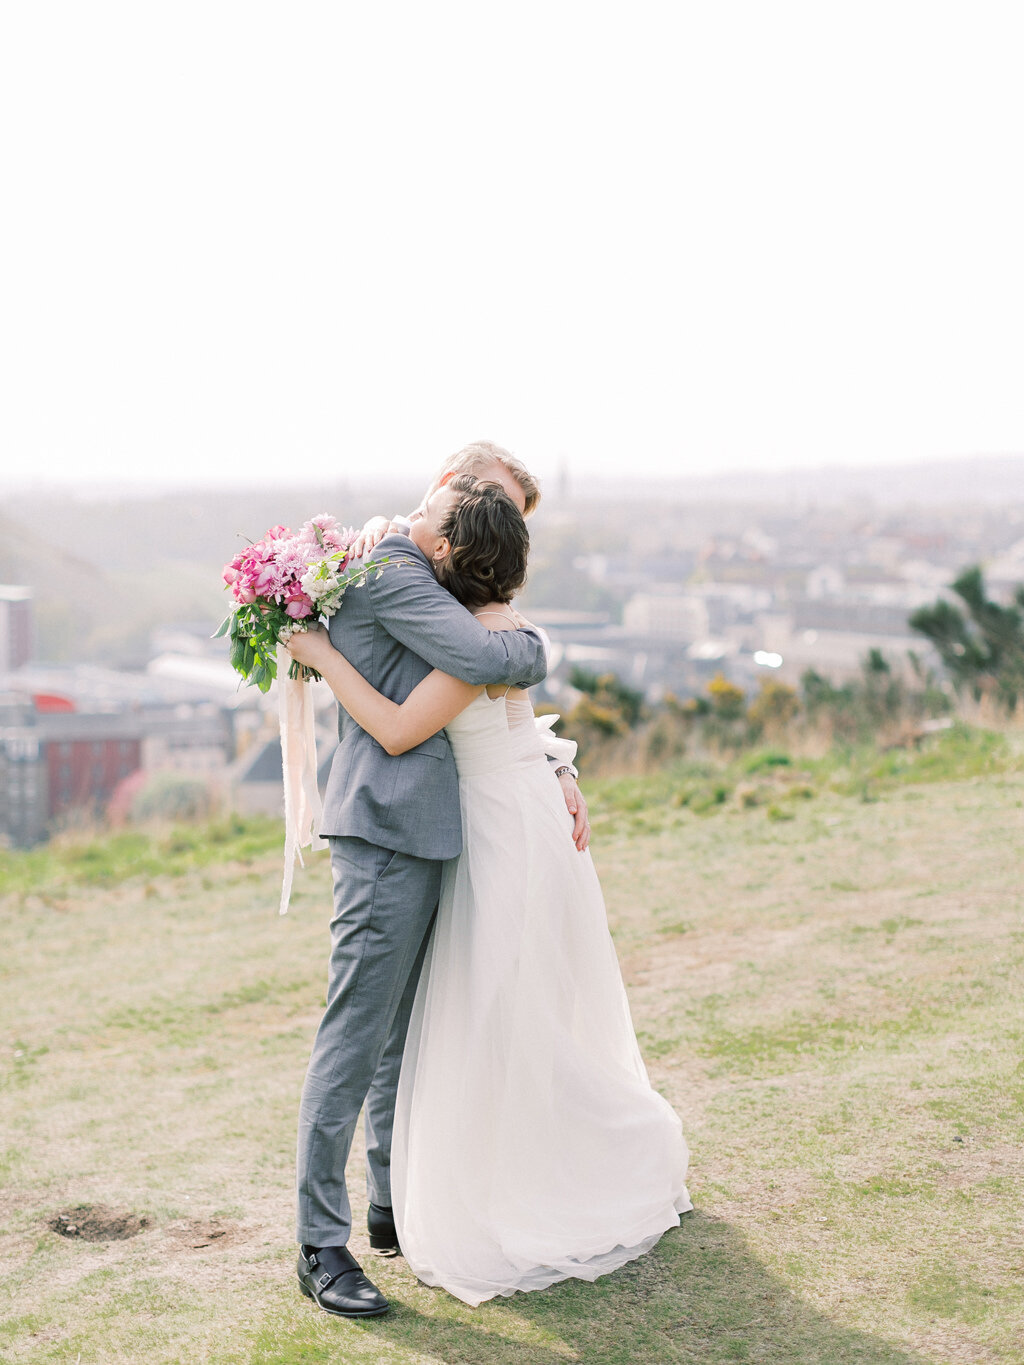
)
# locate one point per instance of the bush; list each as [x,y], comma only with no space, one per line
[726,698]
[607,709]
[878,705]
[173,796]
[610,693]
[617,732]
[766,758]
[774,706]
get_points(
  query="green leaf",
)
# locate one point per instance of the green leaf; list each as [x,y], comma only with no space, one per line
[224,626]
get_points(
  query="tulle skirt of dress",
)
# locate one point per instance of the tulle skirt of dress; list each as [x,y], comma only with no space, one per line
[529,1145]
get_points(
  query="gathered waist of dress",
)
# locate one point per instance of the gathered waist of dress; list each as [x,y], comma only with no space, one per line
[480,757]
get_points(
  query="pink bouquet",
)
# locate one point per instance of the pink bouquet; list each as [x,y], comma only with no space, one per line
[282,584]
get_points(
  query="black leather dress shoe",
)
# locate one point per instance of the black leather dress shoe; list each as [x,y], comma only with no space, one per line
[332,1278]
[380,1224]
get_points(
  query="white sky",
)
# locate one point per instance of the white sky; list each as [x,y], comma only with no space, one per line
[252,241]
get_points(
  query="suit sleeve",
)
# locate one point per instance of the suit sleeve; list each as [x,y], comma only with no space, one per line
[411,605]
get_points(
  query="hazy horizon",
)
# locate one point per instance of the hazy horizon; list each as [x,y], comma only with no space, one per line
[991,474]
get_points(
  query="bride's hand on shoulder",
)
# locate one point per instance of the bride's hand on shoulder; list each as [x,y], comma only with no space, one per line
[310,646]
[371,535]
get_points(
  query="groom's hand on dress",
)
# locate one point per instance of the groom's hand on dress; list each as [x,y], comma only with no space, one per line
[576,805]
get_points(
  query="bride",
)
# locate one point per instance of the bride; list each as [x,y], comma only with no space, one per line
[529,1146]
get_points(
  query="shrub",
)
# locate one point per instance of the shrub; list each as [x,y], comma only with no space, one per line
[774,706]
[173,796]
[607,710]
[726,698]
[766,758]
[610,693]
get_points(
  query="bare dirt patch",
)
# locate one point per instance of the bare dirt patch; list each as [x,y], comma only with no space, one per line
[195,1234]
[97,1223]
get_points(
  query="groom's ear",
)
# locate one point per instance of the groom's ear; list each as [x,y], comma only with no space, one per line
[442,550]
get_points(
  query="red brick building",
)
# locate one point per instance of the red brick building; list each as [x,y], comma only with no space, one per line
[84,772]
[53,762]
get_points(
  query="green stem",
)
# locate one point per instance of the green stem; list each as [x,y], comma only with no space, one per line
[302,673]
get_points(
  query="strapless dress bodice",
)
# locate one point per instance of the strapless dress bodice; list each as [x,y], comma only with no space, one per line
[494,734]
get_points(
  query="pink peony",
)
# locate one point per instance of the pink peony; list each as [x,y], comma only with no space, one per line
[298,606]
[271,570]
[268,582]
[333,538]
[328,525]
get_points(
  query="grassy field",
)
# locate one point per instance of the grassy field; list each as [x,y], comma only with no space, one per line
[825,966]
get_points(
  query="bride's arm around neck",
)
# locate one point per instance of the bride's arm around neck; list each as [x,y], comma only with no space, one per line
[397,727]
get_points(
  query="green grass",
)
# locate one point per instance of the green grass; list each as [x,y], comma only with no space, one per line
[830,1001]
[773,779]
[73,861]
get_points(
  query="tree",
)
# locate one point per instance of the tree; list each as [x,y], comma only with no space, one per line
[981,647]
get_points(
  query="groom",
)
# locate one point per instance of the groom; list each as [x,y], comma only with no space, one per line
[391,822]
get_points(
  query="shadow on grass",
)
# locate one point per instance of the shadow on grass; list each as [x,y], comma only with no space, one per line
[701,1295]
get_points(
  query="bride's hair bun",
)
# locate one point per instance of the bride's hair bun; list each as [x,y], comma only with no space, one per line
[490,544]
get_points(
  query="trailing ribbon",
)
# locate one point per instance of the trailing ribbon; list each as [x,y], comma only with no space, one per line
[302,808]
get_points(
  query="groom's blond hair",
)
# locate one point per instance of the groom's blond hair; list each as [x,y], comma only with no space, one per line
[477,458]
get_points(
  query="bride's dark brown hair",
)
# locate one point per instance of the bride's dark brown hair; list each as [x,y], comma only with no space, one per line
[489,544]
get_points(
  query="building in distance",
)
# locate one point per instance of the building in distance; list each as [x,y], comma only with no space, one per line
[15,626]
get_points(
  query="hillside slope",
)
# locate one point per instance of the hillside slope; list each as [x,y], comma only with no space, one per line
[829,1000]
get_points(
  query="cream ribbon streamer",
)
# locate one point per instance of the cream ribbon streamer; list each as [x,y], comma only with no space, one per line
[302,808]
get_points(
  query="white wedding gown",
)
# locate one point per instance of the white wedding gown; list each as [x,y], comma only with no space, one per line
[529,1146]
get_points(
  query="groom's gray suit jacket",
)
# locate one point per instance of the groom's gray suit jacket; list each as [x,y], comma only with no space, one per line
[394,629]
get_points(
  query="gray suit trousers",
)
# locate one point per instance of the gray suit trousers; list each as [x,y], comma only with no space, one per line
[384,906]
